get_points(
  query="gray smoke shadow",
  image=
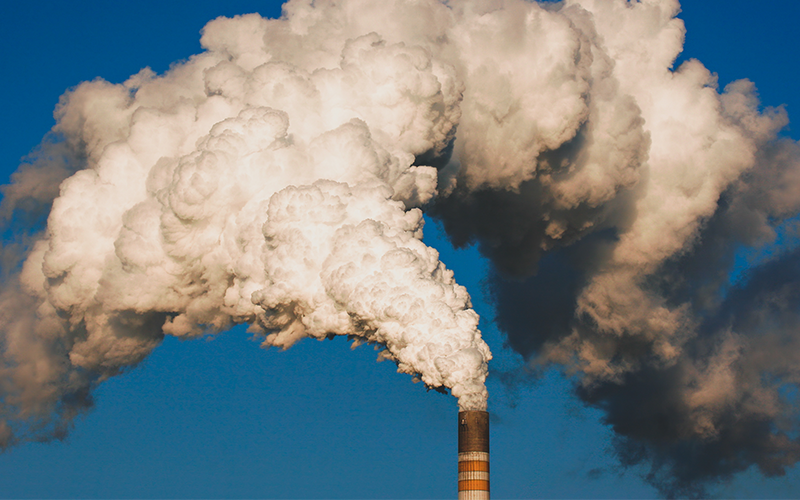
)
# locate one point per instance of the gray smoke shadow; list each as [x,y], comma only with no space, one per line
[510,226]
[535,294]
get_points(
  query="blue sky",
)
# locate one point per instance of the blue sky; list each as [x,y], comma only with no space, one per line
[222,418]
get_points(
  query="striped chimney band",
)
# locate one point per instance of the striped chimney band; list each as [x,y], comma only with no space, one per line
[473,455]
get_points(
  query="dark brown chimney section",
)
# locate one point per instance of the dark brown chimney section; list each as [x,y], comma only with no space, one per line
[473,455]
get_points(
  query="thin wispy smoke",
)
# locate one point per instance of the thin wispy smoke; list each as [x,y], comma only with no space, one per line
[278,178]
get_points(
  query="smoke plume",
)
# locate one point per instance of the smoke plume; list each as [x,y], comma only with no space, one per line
[278,179]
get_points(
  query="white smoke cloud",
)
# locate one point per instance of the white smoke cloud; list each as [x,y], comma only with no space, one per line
[278,177]
[250,184]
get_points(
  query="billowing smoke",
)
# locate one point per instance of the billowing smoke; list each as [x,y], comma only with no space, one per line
[277,179]
[269,180]
[617,239]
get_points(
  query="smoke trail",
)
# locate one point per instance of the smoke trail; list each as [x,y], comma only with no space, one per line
[277,178]
[255,183]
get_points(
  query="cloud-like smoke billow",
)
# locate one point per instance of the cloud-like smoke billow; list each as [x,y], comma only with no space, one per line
[277,179]
[260,182]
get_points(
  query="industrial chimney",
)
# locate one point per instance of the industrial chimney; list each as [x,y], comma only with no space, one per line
[473,455]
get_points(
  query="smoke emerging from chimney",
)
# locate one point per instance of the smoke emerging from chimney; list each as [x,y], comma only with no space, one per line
[277,179]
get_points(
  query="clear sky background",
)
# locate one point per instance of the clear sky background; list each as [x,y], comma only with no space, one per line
[222,418]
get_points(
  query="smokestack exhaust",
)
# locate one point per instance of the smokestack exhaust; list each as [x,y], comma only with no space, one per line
[473,455]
